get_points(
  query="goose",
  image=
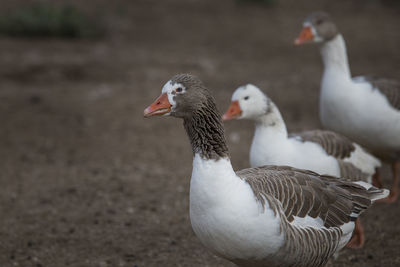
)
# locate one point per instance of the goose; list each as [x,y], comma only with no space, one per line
[365,109]
[320,151]
[264,216]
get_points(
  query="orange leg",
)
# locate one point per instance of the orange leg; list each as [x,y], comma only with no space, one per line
[358,239]
[377,179]
[394,191]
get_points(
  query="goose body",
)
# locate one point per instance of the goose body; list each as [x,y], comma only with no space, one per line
[271,145]
[355,107]
[267,216]
[316,150]
[365,109]
[225,215]
[232,222]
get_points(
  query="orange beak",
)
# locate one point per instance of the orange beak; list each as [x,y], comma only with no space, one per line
[159,107]
[305,36]
[233,111]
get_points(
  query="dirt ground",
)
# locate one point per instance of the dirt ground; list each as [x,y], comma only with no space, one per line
[85,180]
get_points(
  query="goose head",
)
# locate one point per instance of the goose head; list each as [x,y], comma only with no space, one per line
[184,96]
[180,97]
[248,102]
[318,28]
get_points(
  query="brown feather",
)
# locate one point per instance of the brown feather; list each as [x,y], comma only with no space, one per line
[327,197]
[293,192]
[333,143]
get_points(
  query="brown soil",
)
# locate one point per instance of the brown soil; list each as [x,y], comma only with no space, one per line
[86,181]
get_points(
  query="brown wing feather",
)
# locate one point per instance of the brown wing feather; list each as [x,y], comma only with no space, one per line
[333,143]
[351,172]
[332,199]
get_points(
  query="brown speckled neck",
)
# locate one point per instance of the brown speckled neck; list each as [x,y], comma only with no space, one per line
[206,132]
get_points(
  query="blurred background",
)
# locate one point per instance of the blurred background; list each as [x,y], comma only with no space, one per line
[85,180]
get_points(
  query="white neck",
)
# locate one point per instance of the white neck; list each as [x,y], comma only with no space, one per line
[334,56]
[270,139]
[210,176]
[271,123]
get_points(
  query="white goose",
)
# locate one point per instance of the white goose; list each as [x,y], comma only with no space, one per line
[266,216]
[365,109]
[319,151]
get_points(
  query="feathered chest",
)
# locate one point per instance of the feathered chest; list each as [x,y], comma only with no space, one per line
[226,216]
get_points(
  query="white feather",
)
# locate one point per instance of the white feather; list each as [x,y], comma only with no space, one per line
[347,230]
[364,184]
[353,107]
[226,216]
[364,161]
[308,221]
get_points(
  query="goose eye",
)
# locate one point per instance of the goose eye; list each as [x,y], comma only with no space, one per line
[318,22]
[246,97]
[179,89]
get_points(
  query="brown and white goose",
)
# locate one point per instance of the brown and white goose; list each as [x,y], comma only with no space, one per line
[316,150]
[265,216]
[344,100]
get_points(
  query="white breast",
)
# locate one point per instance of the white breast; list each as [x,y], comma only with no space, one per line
[225,215]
